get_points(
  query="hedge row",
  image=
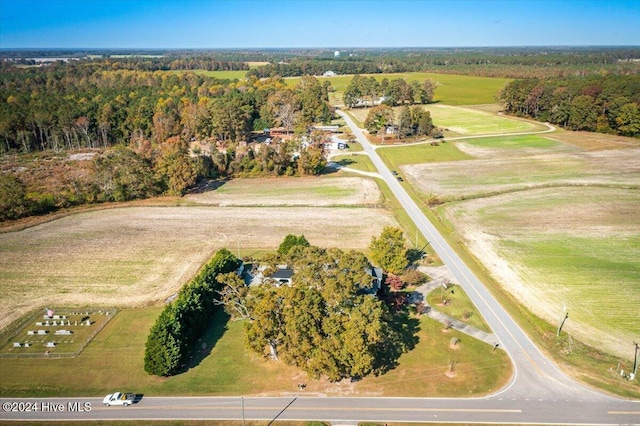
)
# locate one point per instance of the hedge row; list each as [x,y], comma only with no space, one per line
[184,320]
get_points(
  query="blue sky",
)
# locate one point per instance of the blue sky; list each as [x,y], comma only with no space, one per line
[334,24]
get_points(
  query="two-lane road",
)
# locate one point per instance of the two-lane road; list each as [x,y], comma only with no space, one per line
[537,394]
[346,410]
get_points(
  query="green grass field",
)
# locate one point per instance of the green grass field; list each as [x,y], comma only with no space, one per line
[115,361]
[575,247]
[358,162]
[515,142]
[452,89]
[223,75]
[458,121]
[423,153]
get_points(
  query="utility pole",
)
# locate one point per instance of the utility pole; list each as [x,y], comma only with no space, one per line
[566,315]
[635,362]
[242,399]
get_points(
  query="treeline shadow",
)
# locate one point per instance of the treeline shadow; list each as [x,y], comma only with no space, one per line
[205,344]
[403,337]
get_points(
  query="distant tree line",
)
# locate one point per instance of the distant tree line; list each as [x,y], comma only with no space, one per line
[511,62]
[173,337]
[145,63]
[606,104]
[490,62]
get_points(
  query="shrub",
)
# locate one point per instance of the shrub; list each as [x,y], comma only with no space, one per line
[414,277]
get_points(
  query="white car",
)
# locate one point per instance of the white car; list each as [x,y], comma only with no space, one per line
[119,398]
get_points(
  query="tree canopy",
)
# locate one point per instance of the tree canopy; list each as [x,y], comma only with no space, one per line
[326,323]
[388,251]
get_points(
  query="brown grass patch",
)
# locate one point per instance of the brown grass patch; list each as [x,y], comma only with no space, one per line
[595,141]
[306,191]
[140,255]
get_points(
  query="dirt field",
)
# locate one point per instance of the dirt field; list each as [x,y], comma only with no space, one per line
[137,256]
[595,141]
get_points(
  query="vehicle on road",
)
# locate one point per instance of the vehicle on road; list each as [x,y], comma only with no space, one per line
[119,398]
[394,172]
[400,178]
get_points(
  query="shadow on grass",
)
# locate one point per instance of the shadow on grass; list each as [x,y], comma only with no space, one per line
[208,340]
[208,185]
[335,166]
[403,337]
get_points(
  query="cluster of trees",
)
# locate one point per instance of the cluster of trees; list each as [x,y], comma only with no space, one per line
[606,104]
[139,124]
[324,323]
[366,91]
[72,106]
[122,173]
[177,329]
[411,121]
[307,66]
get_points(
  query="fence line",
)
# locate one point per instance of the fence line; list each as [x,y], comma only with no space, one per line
[63,354]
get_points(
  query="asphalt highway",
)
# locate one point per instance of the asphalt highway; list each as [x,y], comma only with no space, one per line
[538,392]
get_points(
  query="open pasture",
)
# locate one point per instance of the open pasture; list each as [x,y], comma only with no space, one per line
[451,89]
[304,191]
[511,169]
[223,75]
[458,121]
[135,256]
[552,248]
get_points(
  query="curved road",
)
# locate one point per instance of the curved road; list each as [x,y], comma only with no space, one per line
[538,392]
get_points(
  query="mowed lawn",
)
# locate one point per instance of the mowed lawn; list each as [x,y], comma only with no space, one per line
[573,247]
[115,360]
[399,155]
[136,256]
[457,121]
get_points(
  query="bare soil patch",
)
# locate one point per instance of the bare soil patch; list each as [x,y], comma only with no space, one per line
[138,256]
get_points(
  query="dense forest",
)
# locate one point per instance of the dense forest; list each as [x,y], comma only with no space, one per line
[606,104]
[91,104]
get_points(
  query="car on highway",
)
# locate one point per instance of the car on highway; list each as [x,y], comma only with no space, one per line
[119,398]
[394,172]
[400,179]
